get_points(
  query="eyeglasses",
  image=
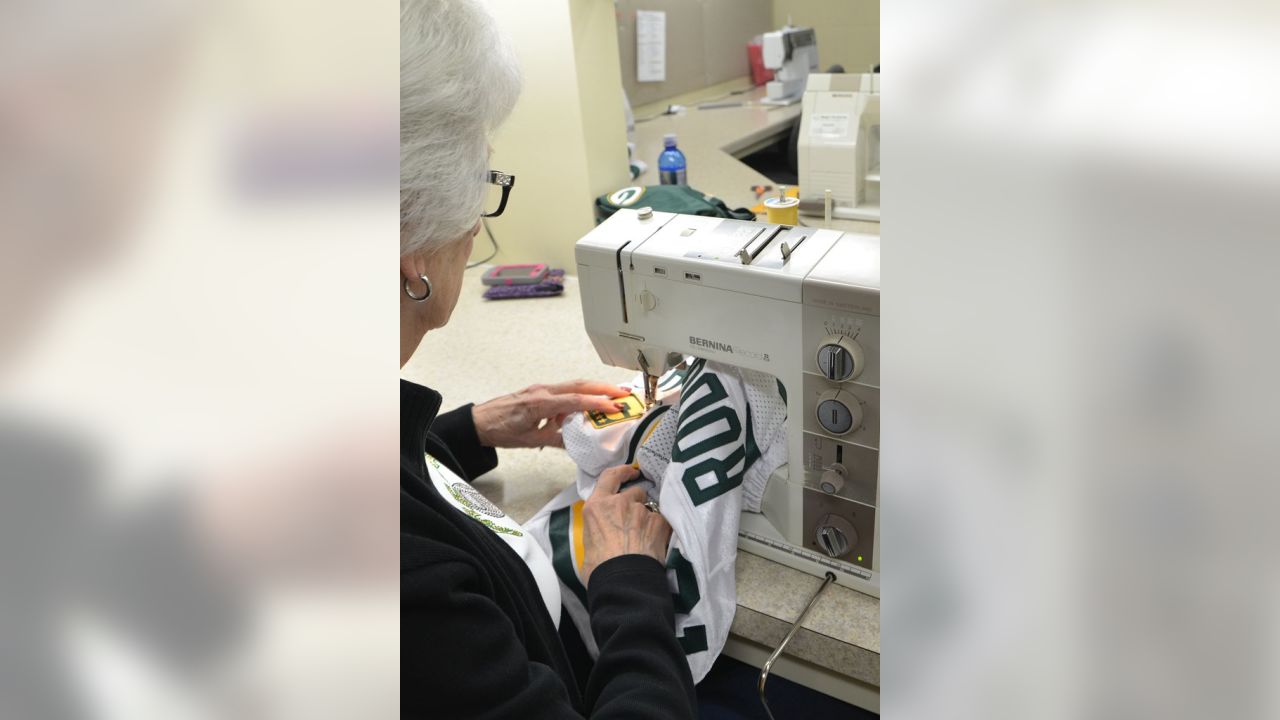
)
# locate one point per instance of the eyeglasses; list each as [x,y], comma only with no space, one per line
[502,182]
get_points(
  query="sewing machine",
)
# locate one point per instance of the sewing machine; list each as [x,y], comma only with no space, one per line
[791,53]
[839,146]
[799,303]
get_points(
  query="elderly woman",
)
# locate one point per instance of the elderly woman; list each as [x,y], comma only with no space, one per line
[480,609]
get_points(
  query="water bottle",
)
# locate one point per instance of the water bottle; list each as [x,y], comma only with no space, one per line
[671,167]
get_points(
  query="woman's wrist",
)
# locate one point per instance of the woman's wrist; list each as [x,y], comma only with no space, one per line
[482,420]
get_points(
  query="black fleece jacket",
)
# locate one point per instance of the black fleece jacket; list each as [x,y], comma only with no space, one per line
[475,637]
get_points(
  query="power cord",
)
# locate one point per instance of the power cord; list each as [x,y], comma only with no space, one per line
[729,94]
[677,109]
[491,255]
[671,110]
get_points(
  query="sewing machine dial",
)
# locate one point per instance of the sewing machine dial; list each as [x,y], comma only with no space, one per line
[833,477]
[840,358]
[835,535]
[838,412]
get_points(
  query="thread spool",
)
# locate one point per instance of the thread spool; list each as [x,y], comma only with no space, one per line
[783,210]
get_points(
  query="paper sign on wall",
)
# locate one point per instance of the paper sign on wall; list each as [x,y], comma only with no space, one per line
[651,46]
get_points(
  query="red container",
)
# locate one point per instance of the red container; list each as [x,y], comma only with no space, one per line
[755,56]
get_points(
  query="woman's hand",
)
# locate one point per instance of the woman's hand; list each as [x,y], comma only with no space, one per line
[617,523]
[532,416]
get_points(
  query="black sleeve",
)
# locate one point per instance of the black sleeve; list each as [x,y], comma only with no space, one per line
[642,671]
[462,657]
[457,430]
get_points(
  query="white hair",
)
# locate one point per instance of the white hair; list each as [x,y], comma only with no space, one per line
[458,81]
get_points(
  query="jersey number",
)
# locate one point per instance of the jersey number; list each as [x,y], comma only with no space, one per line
[694,637]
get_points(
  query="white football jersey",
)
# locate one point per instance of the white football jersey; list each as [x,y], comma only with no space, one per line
[705,453]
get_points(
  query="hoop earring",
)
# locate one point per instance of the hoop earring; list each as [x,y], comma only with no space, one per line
[418,298]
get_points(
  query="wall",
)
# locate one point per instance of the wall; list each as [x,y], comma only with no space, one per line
[706,43]
[848,30]
[566,139]
[706,39]
[600,100]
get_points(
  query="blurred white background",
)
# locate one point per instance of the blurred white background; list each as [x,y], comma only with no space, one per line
[198,205]
[1079,326]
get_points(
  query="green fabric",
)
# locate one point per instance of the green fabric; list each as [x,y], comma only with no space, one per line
[667,198]
[561,556]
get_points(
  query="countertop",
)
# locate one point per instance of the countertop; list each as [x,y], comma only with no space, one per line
[493,347]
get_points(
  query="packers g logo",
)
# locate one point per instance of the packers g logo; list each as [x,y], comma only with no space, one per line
[626,196]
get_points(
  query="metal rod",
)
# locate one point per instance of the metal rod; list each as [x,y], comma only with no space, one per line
[752,249]
[650,381]
[795,627]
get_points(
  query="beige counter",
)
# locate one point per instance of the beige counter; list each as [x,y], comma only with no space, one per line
[493,347]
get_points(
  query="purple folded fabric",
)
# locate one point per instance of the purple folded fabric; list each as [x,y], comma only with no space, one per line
[552,284]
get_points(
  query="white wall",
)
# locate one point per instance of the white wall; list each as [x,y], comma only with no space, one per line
[566,140]
[848,30]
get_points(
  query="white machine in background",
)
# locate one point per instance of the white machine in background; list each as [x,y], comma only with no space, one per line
[839,146]
[799,303]
[791,53]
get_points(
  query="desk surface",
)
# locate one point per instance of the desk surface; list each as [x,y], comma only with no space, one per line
[710,139]
[494,347]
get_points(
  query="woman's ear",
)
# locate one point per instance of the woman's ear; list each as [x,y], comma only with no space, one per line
[411,266]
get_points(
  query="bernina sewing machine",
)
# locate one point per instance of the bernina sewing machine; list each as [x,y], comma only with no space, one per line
[799,303]
[791,53]
[839,146]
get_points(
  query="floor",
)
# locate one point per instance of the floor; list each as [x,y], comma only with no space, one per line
[776,162]
[728,692]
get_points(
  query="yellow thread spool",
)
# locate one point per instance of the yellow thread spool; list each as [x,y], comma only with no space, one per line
[783,210]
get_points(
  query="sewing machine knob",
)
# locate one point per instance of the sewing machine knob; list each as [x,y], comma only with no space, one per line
[836,536]
[840,358]
[838,412]
[832,479]
[648,300]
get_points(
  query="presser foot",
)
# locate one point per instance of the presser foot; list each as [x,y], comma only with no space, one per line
[650,390]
